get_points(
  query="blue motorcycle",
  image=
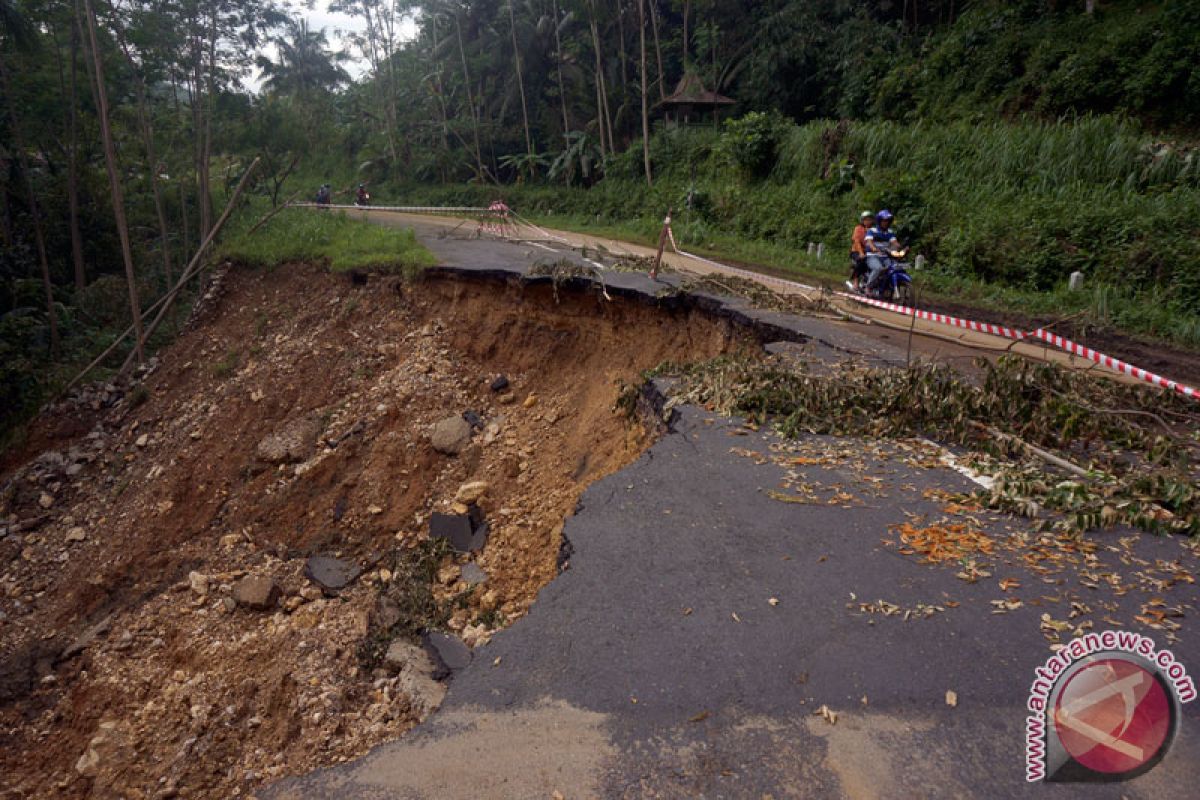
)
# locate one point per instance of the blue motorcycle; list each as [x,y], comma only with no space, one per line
[894,284]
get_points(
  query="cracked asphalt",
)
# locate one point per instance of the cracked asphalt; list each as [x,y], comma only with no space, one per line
[702,624]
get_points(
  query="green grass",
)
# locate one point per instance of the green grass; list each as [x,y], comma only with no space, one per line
[333,237]
[1004,211]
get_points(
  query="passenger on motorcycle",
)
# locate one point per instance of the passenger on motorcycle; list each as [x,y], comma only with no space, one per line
[858,247]
[881,242]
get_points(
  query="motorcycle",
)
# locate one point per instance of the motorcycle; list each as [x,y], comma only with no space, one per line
[893,285]
[363,199]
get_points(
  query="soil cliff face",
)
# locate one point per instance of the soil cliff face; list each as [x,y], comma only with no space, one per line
[292,418]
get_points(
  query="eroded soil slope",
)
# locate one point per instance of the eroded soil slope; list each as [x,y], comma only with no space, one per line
[292,418]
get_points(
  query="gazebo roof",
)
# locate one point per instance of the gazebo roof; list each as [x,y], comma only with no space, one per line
[691,92]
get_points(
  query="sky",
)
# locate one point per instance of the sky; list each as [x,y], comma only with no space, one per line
[336,26]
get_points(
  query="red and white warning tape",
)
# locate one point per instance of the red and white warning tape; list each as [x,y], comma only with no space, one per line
[497,216]
[1061,342]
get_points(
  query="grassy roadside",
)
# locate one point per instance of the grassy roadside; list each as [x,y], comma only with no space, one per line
[333,237]
[1096,307]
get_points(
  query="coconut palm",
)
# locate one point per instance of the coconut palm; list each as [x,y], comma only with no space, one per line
[306,67]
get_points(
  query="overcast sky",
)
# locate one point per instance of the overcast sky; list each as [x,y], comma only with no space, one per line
[335,25]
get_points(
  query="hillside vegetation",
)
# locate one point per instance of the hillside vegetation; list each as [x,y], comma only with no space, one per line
[1016,141]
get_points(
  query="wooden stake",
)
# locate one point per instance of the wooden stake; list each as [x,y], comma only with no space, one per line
[662,242]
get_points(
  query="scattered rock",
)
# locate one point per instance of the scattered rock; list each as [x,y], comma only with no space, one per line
[451,435]
[530,401]
[500,383]
[464,535]
[101,745]
[198,582]
[401,653]
[471,492]
[85,639]
[143,440]
[331,574]
[417,670]
[46,500]
[506,398]
[449,651]
[295,442]
[473,574]
[473,419]
[76,534]
[260,594]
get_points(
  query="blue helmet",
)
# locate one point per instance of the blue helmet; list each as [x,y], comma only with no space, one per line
[884,214]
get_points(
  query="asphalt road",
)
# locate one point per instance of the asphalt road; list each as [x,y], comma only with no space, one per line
[703,623]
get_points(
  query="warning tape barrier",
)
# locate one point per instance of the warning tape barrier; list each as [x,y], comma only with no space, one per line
[501,212]
[1061,342]
[488,211]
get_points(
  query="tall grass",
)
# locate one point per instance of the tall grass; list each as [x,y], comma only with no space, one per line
[1004,211]
[334,237]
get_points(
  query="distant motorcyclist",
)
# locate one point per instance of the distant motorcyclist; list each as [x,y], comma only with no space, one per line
[881,244]
[858,247]
[362,198]
[323,195]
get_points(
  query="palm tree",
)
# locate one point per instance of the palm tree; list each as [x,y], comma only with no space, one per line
[306,67]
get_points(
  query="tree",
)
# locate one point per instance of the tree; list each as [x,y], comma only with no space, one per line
[114,177]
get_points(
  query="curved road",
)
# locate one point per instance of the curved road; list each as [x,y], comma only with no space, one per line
[738,620]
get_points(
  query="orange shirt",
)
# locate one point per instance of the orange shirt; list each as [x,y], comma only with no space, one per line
[857,242]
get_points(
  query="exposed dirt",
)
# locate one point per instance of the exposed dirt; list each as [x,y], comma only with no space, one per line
[126,667]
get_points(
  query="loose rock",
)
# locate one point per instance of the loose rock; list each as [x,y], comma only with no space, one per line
[451,435]
[449,651]
[198,583]
[473,574]
[330,573]
[295,442]
[260,594]
[471,492]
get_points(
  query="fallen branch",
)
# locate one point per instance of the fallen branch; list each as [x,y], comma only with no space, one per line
[1045,455]
[196,265]
[270,214]
[188,273]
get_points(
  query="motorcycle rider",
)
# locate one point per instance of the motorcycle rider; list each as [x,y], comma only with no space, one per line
[880,243]
[858,247]
[362,198]
[323,195]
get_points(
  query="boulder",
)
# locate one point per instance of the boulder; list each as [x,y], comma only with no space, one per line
[451,435]
[449,651]
[473,574]
[331,573]
[471,492]
[292,443]
[463,531]
[416,679]
[260,594]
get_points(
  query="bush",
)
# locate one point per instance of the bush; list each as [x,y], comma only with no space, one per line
[751,143]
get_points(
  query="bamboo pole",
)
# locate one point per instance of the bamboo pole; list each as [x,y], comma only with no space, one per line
[197,263]
[188,273]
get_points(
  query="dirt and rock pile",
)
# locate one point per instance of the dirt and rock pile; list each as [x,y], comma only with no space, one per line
[221,575]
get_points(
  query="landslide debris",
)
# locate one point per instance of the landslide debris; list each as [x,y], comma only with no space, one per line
[222,574]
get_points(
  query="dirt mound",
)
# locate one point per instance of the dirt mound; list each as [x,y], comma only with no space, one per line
[294,419]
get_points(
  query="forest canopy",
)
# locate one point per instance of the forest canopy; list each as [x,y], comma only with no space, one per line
[1017,141]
